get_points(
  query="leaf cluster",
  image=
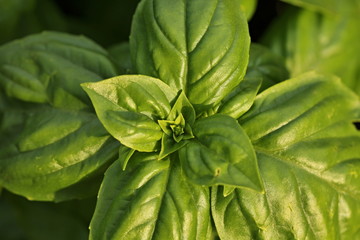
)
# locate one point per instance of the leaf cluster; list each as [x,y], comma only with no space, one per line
[187,131]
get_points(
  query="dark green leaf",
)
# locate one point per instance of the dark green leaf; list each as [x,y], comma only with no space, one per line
[10,12]
[48,68]
[125,154]
[46,152]
[200,47]
[309,159]
[24,17]
[22,219]
[122,58]
[51,149]
[220,154]
[129,107]
[241,98]
[169,145]
[150,200]
[266,65]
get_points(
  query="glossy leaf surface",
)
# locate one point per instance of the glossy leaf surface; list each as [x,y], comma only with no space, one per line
[52,145]
[309,160]
[220,154]
[241,98]
[46,152]
[48,68]
[150,200]
[249,7]
[129,107]
[174,41]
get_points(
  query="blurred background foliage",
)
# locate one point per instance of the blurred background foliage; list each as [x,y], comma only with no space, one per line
[21,219]
[107,22]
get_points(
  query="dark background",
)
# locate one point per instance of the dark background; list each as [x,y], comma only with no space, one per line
[109,21]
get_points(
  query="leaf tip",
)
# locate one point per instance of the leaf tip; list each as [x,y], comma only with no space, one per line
[85,85]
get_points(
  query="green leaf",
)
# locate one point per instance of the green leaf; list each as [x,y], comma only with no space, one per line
[129,107]
[150,200]
[182,106]
[264,69]
[241,98]
[249,7]
[125,155]
[266,65]
[220,154]
[309,159]
[122,58]
[178,126]
[48,68]
[51,154]
[54,149]
[323,42]
[172,41]
[169,145]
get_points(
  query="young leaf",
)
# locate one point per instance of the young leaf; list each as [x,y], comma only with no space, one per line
[309,160]
[129,107]
[183,107]
[150,200]
[48,68]
[169,145]
[200,47]
[125,154]
[178,126]
[220,154]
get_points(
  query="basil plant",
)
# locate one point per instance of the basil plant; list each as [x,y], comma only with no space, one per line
[202,135]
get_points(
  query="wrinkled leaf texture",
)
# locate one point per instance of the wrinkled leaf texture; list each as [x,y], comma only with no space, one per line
[200,47]
[221,153]
[129,107]
[309,160]
[52,144]
[150,200]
